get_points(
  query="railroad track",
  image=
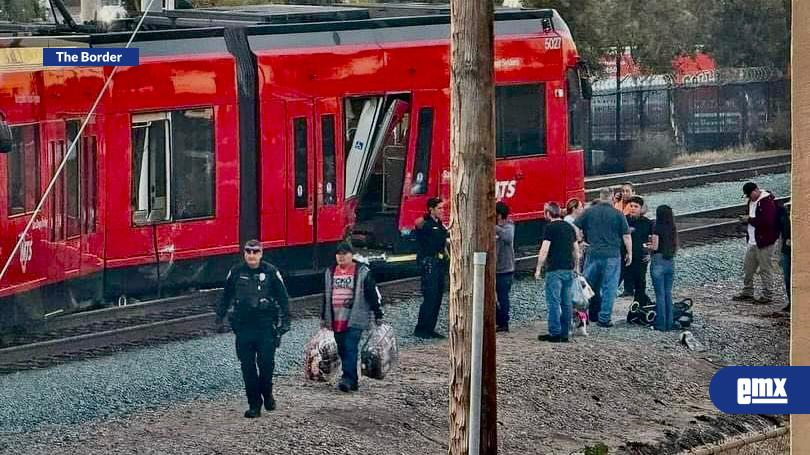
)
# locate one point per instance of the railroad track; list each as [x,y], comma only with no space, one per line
[102,332]
[686,176]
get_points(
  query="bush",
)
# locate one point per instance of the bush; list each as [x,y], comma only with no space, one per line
[776,134]
[651,151]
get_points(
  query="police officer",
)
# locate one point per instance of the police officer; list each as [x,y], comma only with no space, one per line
[260,317]
[433,260]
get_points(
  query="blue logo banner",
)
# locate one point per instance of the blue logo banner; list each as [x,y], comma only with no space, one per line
[96,56]
[761,390]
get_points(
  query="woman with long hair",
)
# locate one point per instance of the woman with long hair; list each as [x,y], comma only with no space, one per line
[663,245]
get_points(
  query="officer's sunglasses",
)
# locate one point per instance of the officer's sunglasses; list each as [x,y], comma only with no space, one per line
[253,250]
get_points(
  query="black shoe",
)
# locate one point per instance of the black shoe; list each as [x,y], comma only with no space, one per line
[420,334]
[437,335]
[502,328]
[558,340]
[270,404]
[551,338]
[627,294]
[763,300]
[606,325]
[346,387]
[252,413]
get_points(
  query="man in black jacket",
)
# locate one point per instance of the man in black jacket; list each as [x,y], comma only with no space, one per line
[261,315]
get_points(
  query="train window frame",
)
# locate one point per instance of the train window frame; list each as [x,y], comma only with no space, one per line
[300,162]
[576,107]
[211,167]
[89,182]
[72,192]
[166,211]
[30,199]
[329,156]
[507,108]
[423,150]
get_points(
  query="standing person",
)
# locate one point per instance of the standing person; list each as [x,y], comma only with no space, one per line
[505,265]
[260,317]
[351,298]
[763,230]
[560,248]
[573,210]
[605,230]
[433,262]
[663,244]
[635,278]
[623,195]
[785,232]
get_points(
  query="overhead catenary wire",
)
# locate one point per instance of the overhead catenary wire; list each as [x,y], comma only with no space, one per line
[71,149]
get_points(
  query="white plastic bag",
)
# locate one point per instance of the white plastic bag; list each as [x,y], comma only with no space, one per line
[581,292]
[379,354]
[321,359]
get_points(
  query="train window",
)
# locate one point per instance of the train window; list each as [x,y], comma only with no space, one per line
[72,180]
[329,160]
[192,151]
[300,144]
[576,110]
[421,164]
[89,191]
[150,156]
[22,171]
[520,123]
[173,166]
[57,150]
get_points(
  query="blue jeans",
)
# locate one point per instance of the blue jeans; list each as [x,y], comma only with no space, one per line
[558,299]
[786,271]
[348,343]
[503,284]
[607,272]
[663,274]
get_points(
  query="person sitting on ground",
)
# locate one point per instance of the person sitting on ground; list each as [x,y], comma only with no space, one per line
[635,274]
[560,248]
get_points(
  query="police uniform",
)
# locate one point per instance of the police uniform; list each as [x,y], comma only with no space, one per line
[260,317]
[433,261]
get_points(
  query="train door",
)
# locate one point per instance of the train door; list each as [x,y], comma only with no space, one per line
[63,201]
[300,175]
[376,142]
[426,155]
[328,224]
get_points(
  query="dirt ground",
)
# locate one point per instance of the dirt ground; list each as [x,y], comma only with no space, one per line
[631,389]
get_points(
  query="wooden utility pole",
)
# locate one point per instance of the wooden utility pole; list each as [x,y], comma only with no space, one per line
[472,216]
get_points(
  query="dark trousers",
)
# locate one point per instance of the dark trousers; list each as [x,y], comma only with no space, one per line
[257,348]
[433,276]
[503,284]
[636,280]
[348,343]
[786,272]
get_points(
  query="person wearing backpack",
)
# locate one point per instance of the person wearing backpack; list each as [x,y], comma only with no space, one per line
[762,232]
[351,298]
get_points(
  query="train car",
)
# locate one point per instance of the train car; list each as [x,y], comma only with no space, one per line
[300,135]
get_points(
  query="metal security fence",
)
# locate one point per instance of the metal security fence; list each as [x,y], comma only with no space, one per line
[668,118]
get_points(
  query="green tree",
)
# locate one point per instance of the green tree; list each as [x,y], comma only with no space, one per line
[656,30]
[20,10]
[740,33]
